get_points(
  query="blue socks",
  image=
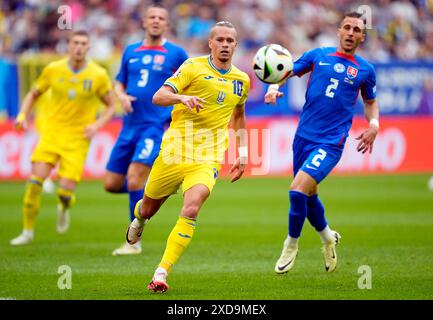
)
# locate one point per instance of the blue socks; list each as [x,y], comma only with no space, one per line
[134,197]
[316,213]
[301,207]
[297,213]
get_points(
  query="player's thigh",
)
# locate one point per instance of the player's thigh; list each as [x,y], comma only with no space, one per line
[164,179]
[137,175]
[321,161]
[121,154]
[41,169]
[201,174]
[73,158]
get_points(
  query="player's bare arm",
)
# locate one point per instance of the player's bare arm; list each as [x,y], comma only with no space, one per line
[239,124]
[124,98]
[109,102]
[26,107]
[166,96]
[371,110]
[273,91]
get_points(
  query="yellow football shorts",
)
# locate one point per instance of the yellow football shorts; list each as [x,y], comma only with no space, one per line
[67,150]
[165,179]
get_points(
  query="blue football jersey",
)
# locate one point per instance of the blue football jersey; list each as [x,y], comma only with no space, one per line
[333,87]
[143,71]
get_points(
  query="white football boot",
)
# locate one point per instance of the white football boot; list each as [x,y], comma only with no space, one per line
[330,254]
[287,258]
[63,219]
[48,186]
[24,238]
[127,249]
[159,281]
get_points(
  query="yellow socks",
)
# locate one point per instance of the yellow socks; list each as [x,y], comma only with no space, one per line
[66,197]
[32,202]
[177,242]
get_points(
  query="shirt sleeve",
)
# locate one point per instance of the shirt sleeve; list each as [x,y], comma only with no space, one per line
[368,89]
[182,77]
[246,91]
[43,82]
[305,63]
[122,76]
[105,85]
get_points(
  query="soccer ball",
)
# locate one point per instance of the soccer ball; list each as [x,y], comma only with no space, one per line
[272,63]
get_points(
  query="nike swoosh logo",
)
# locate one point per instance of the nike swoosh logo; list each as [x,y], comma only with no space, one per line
[310,167]
[133,60]
[281,268]
[324,63]
[184,235]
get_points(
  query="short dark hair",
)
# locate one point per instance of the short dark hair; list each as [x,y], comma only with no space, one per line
[80,32]
[355,14]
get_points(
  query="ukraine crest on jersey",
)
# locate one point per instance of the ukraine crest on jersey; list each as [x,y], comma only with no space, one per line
[203,135]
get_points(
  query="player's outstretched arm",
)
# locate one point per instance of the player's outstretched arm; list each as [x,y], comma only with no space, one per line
[239,125]
[166,96]
[371,111]
[109,101]
[274,91]
[26,107]
[124,98]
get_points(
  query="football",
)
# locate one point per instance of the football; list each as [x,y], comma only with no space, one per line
[272,63]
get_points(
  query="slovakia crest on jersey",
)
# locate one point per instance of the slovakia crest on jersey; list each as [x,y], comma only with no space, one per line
[352,72]
[158,59]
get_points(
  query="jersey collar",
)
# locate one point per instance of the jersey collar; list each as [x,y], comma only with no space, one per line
[222,71]
[161,47]
[79,70]
[345,56]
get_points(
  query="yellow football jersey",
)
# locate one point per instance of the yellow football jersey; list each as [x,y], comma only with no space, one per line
[203,136]
[74,96]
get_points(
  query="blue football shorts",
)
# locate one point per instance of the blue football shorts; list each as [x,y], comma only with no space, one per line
[316,159]
[141,144]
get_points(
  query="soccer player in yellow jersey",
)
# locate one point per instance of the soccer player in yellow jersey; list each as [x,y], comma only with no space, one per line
[78,86]
[206,93]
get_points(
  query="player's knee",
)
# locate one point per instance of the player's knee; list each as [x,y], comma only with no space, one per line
[135,184]
[111,186]
[190,210]
[302,189]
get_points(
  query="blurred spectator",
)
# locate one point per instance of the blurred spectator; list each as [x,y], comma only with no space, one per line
[401,29]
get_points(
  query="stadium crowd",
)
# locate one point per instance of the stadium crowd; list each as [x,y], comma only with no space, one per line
[401,29]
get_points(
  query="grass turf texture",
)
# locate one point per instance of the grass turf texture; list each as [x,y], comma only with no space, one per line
[386,223]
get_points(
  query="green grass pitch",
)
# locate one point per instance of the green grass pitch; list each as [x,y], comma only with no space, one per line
[386,222]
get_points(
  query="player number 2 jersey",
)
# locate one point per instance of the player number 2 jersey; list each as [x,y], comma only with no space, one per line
[333,87]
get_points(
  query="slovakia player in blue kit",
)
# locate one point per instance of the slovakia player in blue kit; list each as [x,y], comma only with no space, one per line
[337,75]
[144,68]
